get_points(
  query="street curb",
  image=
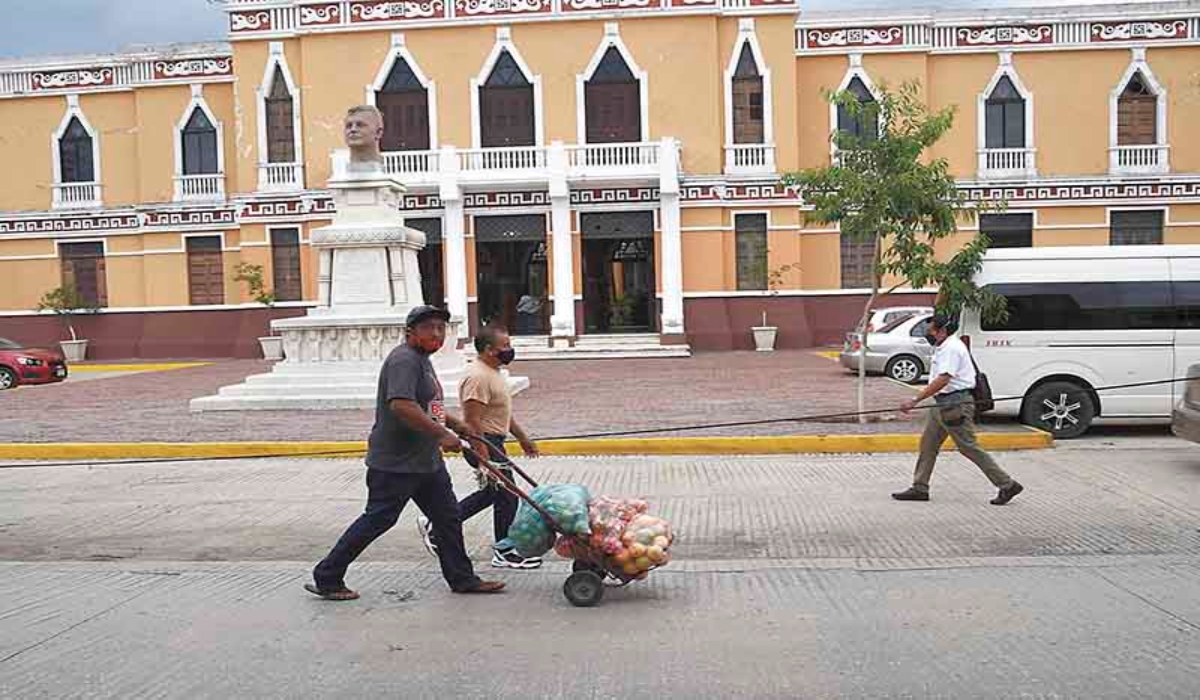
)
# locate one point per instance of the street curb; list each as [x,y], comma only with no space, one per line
[758,445]
[144,367]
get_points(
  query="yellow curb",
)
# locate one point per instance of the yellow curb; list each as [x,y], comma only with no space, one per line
[794,444]
[829,354]
[147,367]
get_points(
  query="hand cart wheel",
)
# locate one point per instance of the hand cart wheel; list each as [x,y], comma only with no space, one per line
[579,565]
[584,589]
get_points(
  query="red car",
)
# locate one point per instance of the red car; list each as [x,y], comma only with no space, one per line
[19,365]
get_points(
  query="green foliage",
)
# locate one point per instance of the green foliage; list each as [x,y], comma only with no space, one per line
[66,302]
[889,191]
[252,275]
[775,277]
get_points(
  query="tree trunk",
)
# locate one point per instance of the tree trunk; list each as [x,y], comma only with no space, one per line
[862,325]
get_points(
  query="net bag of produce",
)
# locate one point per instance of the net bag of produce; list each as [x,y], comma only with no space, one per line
[644,544]
[531,535]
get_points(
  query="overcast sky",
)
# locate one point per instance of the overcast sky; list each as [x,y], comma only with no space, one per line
[40,27]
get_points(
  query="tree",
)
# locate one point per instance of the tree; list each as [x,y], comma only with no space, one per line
[66,302]
[252,275]
[883,188]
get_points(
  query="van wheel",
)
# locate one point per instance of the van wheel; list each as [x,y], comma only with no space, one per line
[1063,409]
[904,368]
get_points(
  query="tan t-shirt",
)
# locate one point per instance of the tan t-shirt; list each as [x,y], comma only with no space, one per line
[487,386]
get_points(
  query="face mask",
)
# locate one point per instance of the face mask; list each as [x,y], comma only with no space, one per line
[506,356]
[429,345]
[932,339]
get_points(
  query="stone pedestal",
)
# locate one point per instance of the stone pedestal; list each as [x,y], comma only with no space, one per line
[368,280]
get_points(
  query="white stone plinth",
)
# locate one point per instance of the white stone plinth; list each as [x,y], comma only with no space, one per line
[367,283]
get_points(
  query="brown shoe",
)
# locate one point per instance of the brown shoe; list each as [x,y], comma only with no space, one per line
[1007,494]
[911,494]
[483,587]
[341,593]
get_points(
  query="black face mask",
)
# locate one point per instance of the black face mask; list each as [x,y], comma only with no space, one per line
[506,356]
[931,338]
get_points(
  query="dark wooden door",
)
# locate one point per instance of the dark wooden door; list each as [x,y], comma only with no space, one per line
[285,265]
[748,110]
[206,270]
[614,112]
[405,120]
[1137,120]
[506,116]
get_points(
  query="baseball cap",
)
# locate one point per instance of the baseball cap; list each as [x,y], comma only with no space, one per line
[425,312]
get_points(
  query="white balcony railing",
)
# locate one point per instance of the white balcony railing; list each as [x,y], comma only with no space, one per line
[199,187]
[410,162]
[475,160]
[77,195]
[1000,163]
[633,156]
[750,158]
[280,176]
[1139,160]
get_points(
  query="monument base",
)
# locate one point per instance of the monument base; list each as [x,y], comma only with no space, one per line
[333,363]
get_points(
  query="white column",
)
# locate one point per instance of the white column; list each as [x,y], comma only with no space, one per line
[562,323]
[454,238]
[672,240]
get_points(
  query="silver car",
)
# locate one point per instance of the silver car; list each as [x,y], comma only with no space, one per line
[898,350]
[1185,420]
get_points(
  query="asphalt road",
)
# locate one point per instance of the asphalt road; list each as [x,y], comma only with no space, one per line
[794,578]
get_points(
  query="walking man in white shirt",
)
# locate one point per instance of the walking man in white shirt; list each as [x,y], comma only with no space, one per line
[951,382]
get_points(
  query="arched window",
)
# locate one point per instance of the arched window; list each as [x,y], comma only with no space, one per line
[1005,115]
[865,125]
[281,132]
[748,117]
[1137,114]
[75,153]
[506,112]
[404,102]
[612,99]
[199,145]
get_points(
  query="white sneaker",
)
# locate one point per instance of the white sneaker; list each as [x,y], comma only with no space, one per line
[426,531]
[512,560]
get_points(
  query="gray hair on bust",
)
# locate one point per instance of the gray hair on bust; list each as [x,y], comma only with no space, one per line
[365,109]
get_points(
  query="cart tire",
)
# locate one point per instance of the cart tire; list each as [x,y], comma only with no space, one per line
[578,565]
[584,589]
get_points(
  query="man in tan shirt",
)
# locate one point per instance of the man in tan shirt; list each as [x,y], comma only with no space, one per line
[487,411]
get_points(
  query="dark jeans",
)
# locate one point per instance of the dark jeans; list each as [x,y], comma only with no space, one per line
[387,494]
[503,503]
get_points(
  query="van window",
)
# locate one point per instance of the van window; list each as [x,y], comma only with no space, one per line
[1086,306]
[1187,303]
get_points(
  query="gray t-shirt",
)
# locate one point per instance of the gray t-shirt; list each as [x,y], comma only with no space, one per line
[393,446]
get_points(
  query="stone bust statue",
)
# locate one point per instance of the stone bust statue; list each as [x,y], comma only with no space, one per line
[363,131]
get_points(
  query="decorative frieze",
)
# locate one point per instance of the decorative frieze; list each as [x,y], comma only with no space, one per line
[193,67]
[492,8]
[389,11]
[1141,31]
[250,21]
[1005,35]
[847,37]
[121,74]
[320,15]
[78,78]
[223,217]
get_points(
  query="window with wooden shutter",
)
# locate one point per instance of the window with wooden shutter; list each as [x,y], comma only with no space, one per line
[858,262]
[199,143]
[75,153]
[1136,228]
[84,271]
[1137,114]
[750,234]
[1005,116]
[281,129]
[206,270]
[1007,230]
[613,102]
[285,264]
[864,125]
[404,102]
[506,106]
[429,260]
[748,116]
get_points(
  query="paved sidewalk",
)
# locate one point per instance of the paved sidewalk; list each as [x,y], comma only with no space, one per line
[566,398]
[794,578]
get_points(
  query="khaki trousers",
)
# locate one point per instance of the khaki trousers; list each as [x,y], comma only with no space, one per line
[957,421]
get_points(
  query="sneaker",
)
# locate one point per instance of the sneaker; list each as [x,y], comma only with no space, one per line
[1007,494]
[426,530]
[512,560]
[911,494]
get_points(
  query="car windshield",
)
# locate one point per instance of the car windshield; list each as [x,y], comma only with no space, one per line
[6,344]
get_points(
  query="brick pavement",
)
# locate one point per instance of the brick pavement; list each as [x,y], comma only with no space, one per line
[566,398]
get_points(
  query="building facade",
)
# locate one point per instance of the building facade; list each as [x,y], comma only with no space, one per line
[581,167]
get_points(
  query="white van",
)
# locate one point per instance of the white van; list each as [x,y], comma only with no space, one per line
[1081,318]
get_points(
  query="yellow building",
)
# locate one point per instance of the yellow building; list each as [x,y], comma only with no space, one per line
[582,167]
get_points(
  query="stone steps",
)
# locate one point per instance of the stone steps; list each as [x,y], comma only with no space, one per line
[599,347]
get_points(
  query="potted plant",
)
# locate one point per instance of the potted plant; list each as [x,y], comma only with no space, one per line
[65,302]
[764,335]
[252,275]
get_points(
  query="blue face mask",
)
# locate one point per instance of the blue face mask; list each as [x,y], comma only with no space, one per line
[506,356]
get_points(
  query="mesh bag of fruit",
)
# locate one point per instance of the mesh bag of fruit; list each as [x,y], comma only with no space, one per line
[531,535]
[624,539]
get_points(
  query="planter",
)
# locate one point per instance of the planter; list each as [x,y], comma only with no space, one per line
[74,350]
[272,347]
[764,337]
